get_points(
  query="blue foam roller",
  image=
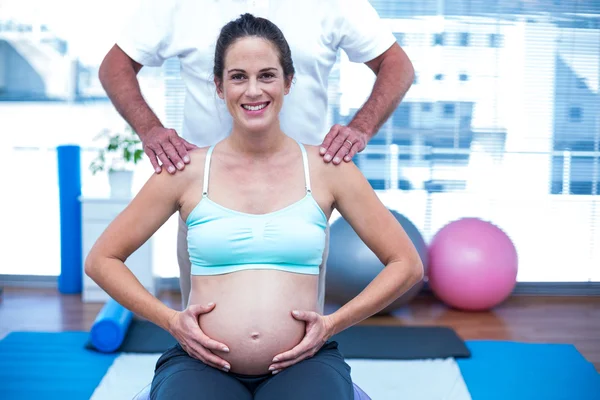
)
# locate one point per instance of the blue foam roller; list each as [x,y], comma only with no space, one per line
[110,327]
[69,184]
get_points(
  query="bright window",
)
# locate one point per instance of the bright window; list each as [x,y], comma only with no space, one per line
[516,143]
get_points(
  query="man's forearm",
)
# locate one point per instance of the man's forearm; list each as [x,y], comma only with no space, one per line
[119,79]
[394,78]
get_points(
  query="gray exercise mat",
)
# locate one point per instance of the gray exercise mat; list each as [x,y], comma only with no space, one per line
[401,342]
[373,342]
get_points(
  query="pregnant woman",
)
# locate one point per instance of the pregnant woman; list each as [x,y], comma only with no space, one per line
[257,206]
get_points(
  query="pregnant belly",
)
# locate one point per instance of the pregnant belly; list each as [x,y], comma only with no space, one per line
[253,316]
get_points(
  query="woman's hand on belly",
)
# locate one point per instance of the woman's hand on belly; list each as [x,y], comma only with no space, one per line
[185,327]
[253,314]
[318,329]
[254,336]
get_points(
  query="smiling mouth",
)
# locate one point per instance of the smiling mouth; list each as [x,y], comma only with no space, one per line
[255,107]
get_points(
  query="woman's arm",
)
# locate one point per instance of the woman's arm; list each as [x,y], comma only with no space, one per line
[106,261]
[382,233]
[160,198]
[358,203]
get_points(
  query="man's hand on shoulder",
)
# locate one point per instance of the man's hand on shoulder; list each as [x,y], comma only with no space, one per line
[342,143]
[165,145]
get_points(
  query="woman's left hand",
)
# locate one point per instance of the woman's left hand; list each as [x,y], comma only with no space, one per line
[319,329]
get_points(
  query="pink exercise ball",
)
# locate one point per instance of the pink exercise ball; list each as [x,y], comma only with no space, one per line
[472,265]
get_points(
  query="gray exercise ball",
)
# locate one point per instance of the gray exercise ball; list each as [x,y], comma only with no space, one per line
[351,265]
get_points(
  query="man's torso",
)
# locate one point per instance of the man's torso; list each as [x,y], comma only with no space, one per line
[310,33]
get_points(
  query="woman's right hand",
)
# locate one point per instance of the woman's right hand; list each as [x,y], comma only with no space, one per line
[184,326]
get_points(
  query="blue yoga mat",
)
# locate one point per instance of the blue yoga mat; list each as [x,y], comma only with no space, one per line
[500,370]
[39,365]
[57,366]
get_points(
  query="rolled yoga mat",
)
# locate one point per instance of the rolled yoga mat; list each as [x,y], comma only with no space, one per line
[69,184]
[110,327]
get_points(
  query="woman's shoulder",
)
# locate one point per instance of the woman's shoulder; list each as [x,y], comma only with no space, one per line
[333,176]
[198,154]
[196,165]
[316,161]
[191,171]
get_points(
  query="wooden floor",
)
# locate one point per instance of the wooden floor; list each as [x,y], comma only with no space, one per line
[533,319]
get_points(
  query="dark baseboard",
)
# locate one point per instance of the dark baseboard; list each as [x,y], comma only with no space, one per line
[558,288]
[29,281]
[522,288]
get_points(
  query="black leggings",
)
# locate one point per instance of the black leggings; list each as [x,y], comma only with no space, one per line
[324,376]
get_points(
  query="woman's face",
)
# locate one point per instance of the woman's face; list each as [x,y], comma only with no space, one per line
[253,84]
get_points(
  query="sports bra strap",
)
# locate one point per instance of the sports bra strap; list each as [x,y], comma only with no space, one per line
[206,169]
[306,170]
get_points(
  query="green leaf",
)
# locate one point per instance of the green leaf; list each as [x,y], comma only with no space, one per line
[126,148]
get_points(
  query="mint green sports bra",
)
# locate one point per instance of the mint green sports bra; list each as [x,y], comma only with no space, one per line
[221,240]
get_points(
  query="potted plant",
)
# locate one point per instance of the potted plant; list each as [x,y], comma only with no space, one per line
[122,151]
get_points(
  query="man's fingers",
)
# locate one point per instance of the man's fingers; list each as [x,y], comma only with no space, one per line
[168,148]
[182,152]
[343,151]
[164,159]
[153,160]
[188,145]
[329,138]
[352,153]
[171,152]
[181,146]
[334,149]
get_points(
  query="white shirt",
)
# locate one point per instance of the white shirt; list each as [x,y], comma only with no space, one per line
[314,29]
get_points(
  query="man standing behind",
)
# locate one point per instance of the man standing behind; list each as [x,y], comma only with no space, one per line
[315,31]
